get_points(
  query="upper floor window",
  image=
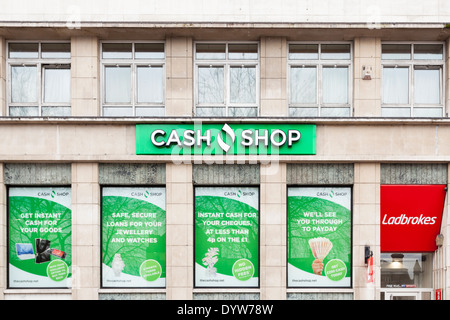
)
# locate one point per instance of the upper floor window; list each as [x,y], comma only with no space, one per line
[133,79]
[38,79]
[412,79]
[319,79]
[226,79]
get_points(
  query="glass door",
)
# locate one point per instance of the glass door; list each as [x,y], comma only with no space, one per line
[402,296]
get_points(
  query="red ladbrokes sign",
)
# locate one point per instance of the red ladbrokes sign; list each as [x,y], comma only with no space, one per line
[411,217]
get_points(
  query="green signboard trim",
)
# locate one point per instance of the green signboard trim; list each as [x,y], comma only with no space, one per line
[225,139]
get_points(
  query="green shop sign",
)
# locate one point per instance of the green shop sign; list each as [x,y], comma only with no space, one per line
[221,139]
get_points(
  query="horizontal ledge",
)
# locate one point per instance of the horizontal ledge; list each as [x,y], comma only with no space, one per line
[37,291]
[223,24]
[132,290]
[183,160]
[198,120]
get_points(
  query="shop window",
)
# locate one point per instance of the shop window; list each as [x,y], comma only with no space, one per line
[39,79]
[412,80]
[319,79]
[227,79]
[406,270]
[40,237]
[226,237]
[133,237]
[133,77]
[319,237]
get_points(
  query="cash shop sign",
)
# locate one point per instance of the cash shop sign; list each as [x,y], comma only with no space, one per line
[226,139]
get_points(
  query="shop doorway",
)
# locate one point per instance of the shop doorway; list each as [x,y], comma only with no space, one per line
[407,294]
[401,296]
[406,276]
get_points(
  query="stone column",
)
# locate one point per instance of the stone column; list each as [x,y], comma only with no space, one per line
[179,232]
[273,232]
[179,70]
[367,93]
[273,77]
[366,228]
[85,231]
[85,77]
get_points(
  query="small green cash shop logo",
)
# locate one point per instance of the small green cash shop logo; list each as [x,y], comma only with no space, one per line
[219,139]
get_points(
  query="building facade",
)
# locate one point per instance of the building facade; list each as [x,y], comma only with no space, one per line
[184,150]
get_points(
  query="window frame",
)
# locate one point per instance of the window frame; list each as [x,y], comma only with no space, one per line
[227,65]
[41,64]
[320,64]
[134,64]
[411,64]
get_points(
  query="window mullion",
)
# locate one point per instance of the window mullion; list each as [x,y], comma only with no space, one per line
[40,88]
[133,86]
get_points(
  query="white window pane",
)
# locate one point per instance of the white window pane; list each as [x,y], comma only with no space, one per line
[335,51]
[243,51]
[150,112]
[210,112]
[395,112]
[57,85]
[23,84]
[335,112]
[243,85]
[117,51]
[395,85]
[118,111]
[243,112]
[303,85]
[303,112]
[335,85]
[150,84]
[210,51]
[149,51]
[396,51]
[23,111]
[210,85]
[427,86]
[428,112]
[118,84]
[304,51]
[23,50]
[55,50]
[428,51]
[56,111]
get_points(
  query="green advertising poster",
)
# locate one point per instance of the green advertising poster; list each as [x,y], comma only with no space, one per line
[226,237]
[40,237]
[134,237]
[319,237]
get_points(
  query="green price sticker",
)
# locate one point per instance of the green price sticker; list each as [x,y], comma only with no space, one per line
[243,269]
[150,270]
[57,270]
[335,270]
